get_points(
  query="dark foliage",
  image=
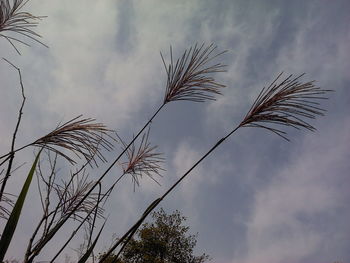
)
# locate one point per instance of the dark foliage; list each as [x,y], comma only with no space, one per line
[166,239]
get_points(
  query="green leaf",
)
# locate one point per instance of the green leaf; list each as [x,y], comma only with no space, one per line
[91,248]
[11,224]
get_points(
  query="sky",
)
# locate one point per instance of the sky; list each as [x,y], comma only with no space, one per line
[257,198]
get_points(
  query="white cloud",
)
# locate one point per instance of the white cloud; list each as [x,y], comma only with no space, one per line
[281,227]
[87,67]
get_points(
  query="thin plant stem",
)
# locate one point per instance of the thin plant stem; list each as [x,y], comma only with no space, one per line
[20,113]
[75,231]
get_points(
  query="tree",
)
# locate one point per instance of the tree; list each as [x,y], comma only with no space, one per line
[166,239]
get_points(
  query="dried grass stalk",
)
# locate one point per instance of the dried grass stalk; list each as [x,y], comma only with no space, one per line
[189,77]
[142,160]
[82,137]
[286,103]
[12,19]
[70,194]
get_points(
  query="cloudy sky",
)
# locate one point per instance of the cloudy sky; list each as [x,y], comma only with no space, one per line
[257,198]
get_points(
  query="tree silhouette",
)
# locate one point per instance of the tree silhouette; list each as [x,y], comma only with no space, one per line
[166,239]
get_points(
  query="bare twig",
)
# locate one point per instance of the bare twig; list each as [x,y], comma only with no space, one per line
[19,118]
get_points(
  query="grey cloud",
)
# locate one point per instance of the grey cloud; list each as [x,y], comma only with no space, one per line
[127,33]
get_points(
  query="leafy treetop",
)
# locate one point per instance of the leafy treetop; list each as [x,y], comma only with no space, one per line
[165,240]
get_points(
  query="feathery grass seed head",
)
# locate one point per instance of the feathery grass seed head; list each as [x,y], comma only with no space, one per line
[81,136]
[189,78]
[12,19]
[70,194]
[287,103]
[142,160]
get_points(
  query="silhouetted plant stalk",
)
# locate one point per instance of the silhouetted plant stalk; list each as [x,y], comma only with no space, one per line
[91,225]
[283,103]
[67,195]
[192,75]
[93,213]
[17,22]
[11,155]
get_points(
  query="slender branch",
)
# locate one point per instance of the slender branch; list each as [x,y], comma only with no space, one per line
[95,215]
[45,202]
[19,118]
[75,231]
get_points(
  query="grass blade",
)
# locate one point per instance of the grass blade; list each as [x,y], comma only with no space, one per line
[11,224]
